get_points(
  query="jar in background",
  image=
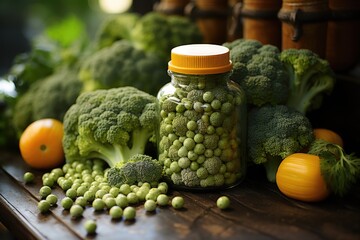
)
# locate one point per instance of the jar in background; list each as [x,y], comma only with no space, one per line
[202,130]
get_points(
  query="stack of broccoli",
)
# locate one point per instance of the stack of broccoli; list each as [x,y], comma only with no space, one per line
[281,87]
[115,125]
[126,51]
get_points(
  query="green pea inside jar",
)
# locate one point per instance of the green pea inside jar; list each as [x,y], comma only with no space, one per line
[202,130]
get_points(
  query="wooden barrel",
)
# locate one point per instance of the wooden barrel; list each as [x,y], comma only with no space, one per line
[171,7]
[211,17]
[304,24]
[343,37]
[260,21]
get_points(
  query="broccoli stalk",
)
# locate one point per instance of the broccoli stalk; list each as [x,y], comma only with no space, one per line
[309,77]
[138,168]
[112,125]
[115,153]
[275,132]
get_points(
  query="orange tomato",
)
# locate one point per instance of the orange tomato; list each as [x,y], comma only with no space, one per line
[299,177]
[329,136]
[41,144]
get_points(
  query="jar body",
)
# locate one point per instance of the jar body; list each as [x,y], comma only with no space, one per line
[202,131]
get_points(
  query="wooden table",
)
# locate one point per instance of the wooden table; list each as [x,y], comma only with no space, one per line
[258,211]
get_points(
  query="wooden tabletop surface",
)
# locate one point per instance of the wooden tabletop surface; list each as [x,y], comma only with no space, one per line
[258,211]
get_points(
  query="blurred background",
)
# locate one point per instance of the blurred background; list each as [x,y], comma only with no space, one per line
[22,20]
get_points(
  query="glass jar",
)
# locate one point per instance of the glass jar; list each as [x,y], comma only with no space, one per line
[202,130]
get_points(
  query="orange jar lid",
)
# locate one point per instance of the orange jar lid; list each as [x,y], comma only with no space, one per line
[200,59]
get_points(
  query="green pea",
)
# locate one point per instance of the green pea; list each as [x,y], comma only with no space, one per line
[44,191]
[81,201]
[44,206]
[76,211]
[223,202]
[199,138]
[191,125]
[28,177]
[216,104]
[89,196]
[98,204]
[71,193]
[141,194]
[194,166]
[132,198]
[184,162]
[162,200]
[174,167]
[100,193]
[90,226]
[125,189]
[183,151]
[66,203]
[81,190]
[116,212]
[52,199]
[66,184]
[198,107]
[153,194]
[177,202]
[49,182]
[189,143]
[122,201]
[110,202]
[150,205]
[208,97]
[129,213]
[192,155]
[226,108]
[199,149]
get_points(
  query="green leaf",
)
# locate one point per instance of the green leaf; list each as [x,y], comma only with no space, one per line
[66,31]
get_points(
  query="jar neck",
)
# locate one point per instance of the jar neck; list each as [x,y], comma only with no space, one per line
[210,80]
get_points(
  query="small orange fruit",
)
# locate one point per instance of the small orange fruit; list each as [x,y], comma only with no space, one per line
[329,136]
[41,144]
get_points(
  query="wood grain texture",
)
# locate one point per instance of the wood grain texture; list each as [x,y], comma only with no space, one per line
[258,211]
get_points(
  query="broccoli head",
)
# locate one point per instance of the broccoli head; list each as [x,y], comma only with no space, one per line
[259,71]
[110,124]
[158,33]
[138,168]
[47,98]
[309,78]
[120,65]
[115,28]
[275,132]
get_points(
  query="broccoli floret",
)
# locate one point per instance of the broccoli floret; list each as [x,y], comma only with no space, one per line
[139,168]
[116,28]
[309,78]
[47,98]
[120,65]
[275,132]
[189,178]
[213,165]
[259,71]
[158,33]
[179,124]
[211,141]
[111,124]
